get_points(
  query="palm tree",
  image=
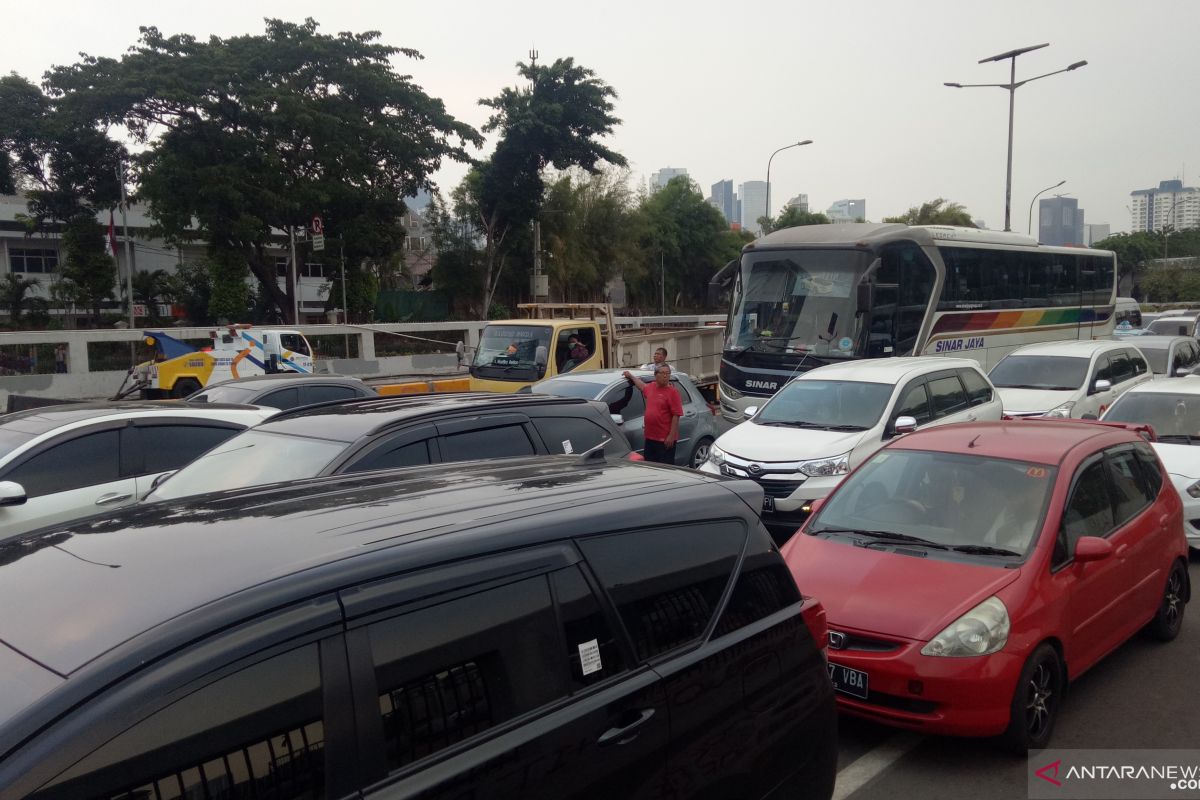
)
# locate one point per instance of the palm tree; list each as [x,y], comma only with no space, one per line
[14,291]
[935,212]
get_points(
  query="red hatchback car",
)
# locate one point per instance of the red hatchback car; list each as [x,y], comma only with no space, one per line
[968,572]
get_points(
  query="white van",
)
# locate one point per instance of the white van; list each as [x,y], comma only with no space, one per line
[1067,379]
[823,424]
[1128,310]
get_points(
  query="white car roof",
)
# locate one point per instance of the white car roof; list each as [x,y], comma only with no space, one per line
[1078,349]
[1167,386]
[886,370]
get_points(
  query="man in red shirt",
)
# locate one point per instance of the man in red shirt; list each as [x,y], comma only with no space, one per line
[663,410]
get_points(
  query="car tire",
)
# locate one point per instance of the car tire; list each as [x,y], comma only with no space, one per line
[700,453]
[185,386]
[1168,620]
[1035,702]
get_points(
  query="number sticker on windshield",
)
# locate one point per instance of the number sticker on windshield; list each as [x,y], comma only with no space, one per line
[1036,472]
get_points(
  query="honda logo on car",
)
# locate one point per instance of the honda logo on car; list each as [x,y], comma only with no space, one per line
[952,345]
[770,385]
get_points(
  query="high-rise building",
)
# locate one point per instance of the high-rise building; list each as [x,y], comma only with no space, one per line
[754,204]
[799,202]
[723,199]
[1171,204]
[1095,233]
[662,177]
[847,211]
[1060,221]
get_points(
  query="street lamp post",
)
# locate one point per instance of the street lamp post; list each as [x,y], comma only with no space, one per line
[1029,225]
[1012,86]
[772,158]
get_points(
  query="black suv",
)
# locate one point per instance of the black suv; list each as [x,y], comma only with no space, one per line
[530,628]
[284,390]
[385,433]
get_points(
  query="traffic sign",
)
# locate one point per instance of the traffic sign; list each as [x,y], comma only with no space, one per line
[318,225]
[140,310]
[318,240]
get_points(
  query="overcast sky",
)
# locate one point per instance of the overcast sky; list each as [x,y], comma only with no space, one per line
[716,87]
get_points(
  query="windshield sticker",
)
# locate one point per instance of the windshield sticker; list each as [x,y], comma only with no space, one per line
[567,448]
[845,343]
[589,657]
[1036,472]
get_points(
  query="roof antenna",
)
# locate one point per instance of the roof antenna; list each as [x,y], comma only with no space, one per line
[973,441]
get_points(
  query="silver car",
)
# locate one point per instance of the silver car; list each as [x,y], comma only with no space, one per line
[698,428]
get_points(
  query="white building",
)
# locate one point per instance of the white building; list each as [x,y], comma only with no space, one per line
[662,177]
[1171,204]
[753,196]
[1095,233]
[799,202]
[847,211]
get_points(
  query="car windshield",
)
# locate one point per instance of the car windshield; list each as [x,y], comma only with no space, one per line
[1170,327]
[512,352]
[1175,417]
[224,394]
[797,301]
[1040,372]
[843,405]
[565,388]
[251,458]
[1156,357]
[973,504]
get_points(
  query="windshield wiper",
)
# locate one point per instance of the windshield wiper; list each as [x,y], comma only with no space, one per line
[784,423]
[845,427]
[884,537]
[983,550]
[1026,386]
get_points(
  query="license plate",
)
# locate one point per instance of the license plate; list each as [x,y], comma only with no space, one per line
[769,505]
[848,681]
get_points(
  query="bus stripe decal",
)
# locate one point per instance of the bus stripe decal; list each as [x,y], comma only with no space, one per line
[994,320]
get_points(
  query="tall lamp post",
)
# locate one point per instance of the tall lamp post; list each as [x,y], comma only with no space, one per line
[1168,226]
[1029,226]
[1012,86]
[772,158]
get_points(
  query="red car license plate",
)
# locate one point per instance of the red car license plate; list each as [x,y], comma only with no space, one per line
[848,681]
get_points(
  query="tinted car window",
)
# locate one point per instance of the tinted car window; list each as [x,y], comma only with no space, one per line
[1089,512]
[84,461]
[978,391]
[592,651]
[666,582]
[764,585]
[413,454]
[449,671]
[294,342]
[1130,494]
[167,447]
[948,396]
[914,403]
[684,395]
[1122,367]
[1151,475]
[325,394]
[569,434]
[503,442]
[1104,370]
[283,399]
[1138,363]
[1039,372]
[256,733]
[626,401]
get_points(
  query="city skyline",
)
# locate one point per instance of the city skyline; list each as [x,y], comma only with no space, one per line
[886,129]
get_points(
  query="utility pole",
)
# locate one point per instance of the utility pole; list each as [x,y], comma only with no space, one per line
[345,308]
[128,244]
[662,278]
[294,277]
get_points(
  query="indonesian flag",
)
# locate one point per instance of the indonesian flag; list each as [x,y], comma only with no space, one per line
[112,236]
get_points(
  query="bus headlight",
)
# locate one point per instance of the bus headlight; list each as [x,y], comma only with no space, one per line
[826,467]
[980,631]
[1061,412]
[729,392]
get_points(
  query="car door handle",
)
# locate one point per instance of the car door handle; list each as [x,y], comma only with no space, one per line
[689,414]
[971,417]
[109,499]
[628,733]
[1121,551]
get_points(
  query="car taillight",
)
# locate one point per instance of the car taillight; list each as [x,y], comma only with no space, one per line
[813,614]
[633,456]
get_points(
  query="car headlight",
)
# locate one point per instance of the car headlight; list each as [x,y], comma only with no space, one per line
[1063,411]
[716,455]
[1194,490]
[826,467]
[980,631]
[729,392]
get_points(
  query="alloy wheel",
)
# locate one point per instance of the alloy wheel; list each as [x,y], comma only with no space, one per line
[1173,598]
[700,455]
[1039,707]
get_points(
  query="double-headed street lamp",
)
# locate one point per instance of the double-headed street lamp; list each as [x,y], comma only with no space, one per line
[1012,86]
[772,158]
[1029,227]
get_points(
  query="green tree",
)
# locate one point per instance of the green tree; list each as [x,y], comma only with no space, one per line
[14,294]
[255,134]
[191,287]
[88,272]
[792,217]
[588,232]
[935,212]
[555,121]
[150,287]
[1133,250]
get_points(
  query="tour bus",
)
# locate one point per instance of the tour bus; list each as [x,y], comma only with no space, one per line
[813,295]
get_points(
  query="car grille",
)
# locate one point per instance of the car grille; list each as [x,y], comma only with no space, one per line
[870,645]
[779,488]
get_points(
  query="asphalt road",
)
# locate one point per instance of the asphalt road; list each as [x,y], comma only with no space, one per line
[1144,695]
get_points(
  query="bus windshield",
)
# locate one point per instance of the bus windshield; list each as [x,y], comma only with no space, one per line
[512,352]
[797,301]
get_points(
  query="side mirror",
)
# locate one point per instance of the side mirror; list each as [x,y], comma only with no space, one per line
[12,494]
[540,355]
[904,425]
[617,419]
[1092,548]
[750,411]
[158,481]
[1102,385]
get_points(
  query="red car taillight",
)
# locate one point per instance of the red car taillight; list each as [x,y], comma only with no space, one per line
[813,614]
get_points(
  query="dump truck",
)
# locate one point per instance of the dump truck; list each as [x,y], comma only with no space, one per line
[179,369]
[550,339]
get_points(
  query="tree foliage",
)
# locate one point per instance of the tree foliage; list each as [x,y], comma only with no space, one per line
[936,212]
[792,217]
[261,132]
[14,294]
[88,272]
